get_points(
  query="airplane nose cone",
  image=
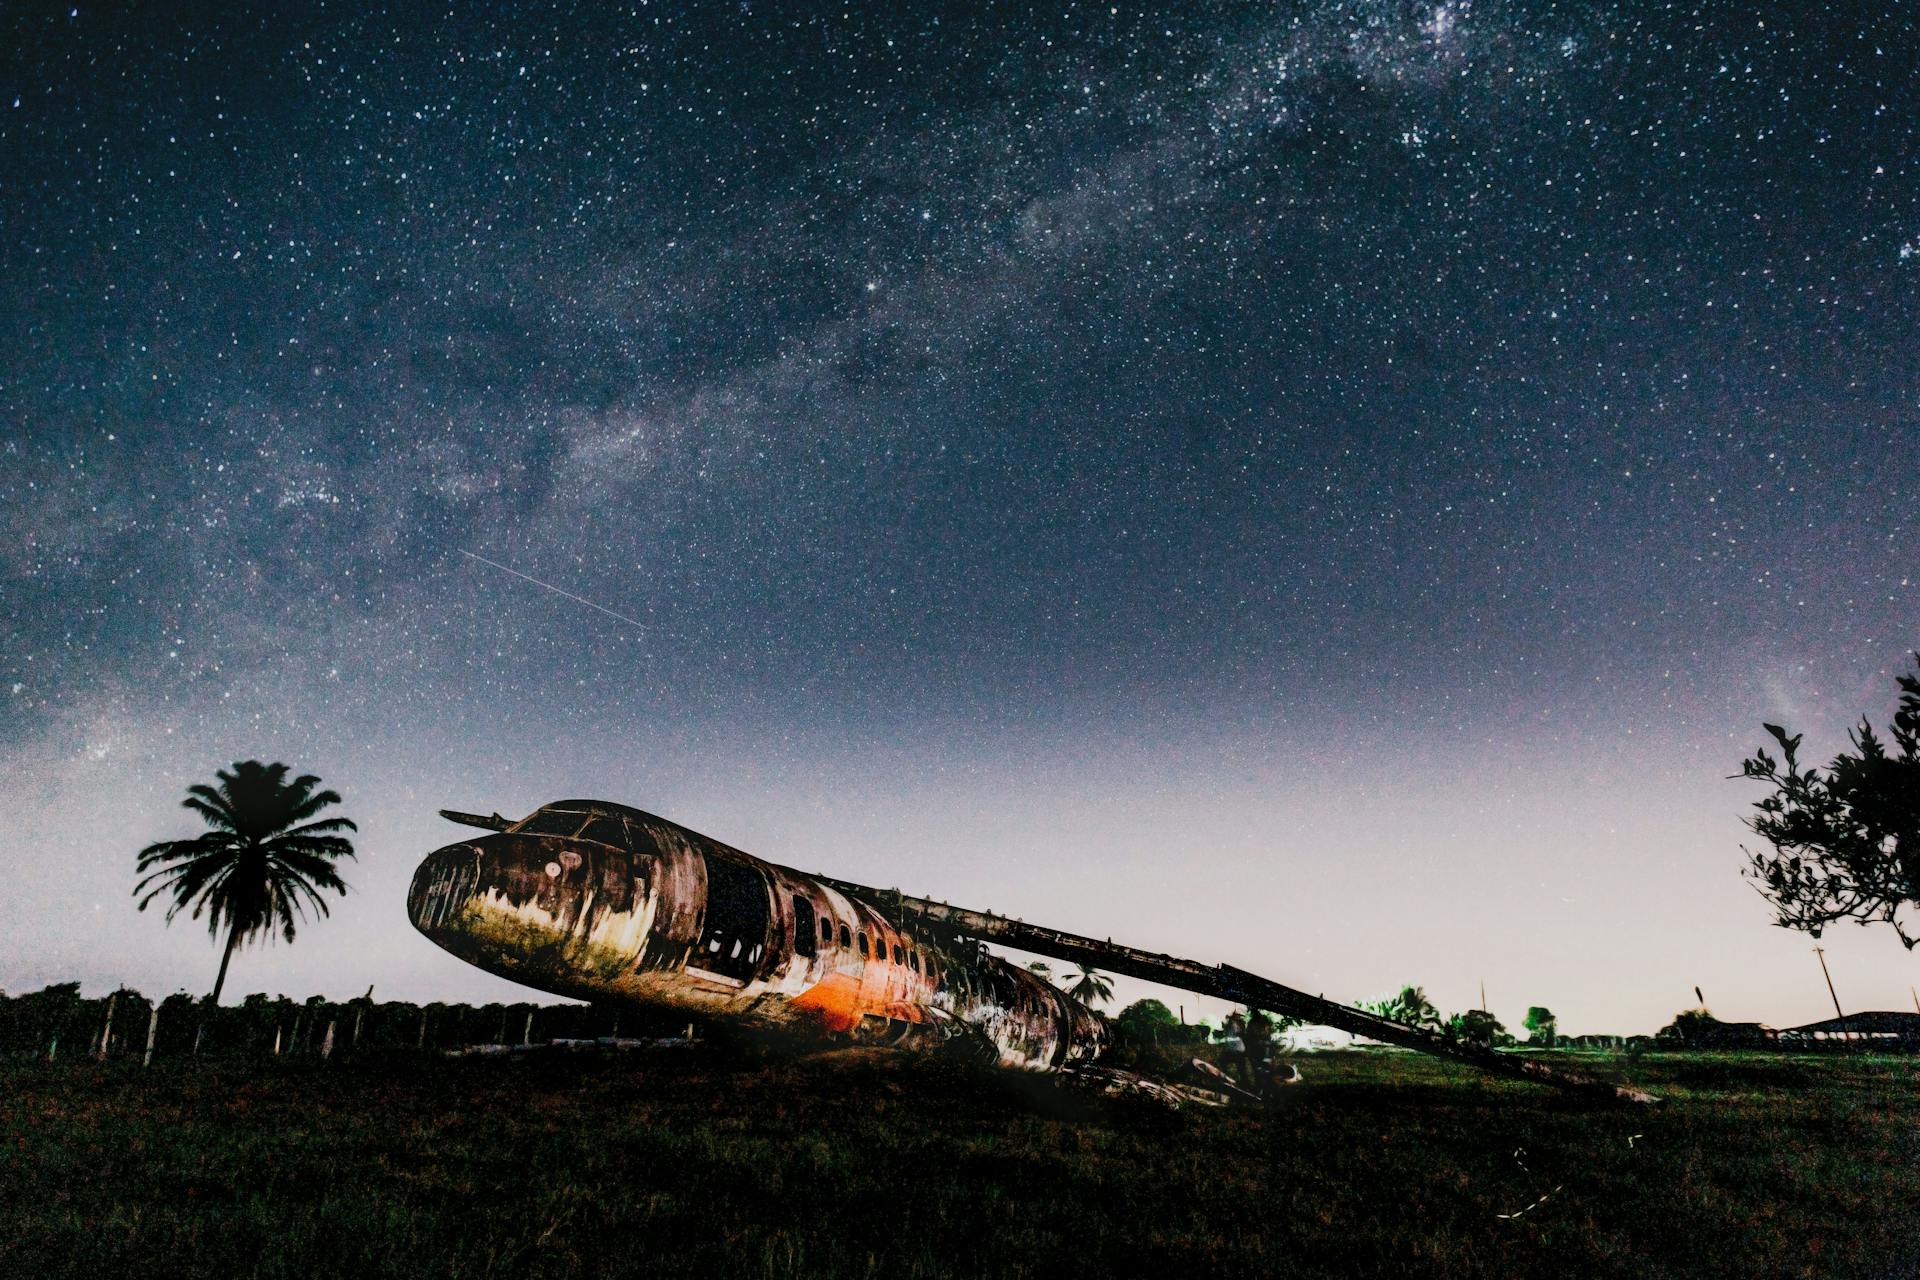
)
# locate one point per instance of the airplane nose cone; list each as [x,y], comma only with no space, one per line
[560,914]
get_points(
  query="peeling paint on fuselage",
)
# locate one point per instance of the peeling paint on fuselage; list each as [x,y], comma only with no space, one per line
[601,902]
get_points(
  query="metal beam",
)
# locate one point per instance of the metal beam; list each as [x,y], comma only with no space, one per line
[1228,983]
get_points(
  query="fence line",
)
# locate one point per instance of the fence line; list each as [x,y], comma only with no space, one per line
[182,1026]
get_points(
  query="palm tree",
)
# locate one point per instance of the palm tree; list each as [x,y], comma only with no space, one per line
[1411,1006]
[1415,1009]
[1091,987]
[261,864]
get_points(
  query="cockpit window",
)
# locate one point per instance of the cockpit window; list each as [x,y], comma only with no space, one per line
[555,822]
[606,829]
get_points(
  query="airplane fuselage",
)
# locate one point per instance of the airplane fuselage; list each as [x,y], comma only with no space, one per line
[602,902]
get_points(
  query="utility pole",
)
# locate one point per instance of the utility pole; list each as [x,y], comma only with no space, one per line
[1822,953]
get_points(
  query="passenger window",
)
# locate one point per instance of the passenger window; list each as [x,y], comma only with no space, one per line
[863,944]
[802,927]
[826,932]
[899,954]
[846,936]
[913,958]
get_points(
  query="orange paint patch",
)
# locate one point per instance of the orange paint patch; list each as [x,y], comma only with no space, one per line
[840,1000]
[836,999]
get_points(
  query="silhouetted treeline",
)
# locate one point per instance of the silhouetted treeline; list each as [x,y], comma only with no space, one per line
[59,1022]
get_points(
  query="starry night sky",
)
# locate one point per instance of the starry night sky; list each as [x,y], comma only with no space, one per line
[1332,487]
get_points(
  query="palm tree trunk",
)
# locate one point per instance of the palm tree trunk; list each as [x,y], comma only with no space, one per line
[233,937]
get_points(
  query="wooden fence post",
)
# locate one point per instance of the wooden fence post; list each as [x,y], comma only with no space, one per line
[106,1032]
[153,1026]
[421,1043]
[326,1045]
[526,1033]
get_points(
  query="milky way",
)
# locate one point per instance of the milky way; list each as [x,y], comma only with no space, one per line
[1369,465]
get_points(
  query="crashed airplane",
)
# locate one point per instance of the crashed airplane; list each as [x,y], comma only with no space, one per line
[601,902]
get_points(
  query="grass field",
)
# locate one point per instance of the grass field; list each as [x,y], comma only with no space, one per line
[711,1164]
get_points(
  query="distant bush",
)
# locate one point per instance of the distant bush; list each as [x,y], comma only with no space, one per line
[1477,1026]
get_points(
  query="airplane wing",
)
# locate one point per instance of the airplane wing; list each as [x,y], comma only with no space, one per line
[1228,983]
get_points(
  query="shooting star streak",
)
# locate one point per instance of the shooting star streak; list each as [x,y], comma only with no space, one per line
[632,622]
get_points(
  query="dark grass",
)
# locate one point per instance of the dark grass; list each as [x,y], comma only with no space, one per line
[711,1164]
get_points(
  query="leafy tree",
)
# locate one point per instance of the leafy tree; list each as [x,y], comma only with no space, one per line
[1691,1026]
[1477,1026]
[1041,970]
[1091,987]
[1845,841]
[1256,1025]
[1273,1023]
[1542,1027]
[264,859]
[1146,1019]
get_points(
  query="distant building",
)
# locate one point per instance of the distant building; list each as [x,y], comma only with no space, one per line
[1888,1029]
[1317,1040]
[1733,1035]
[1699,1029]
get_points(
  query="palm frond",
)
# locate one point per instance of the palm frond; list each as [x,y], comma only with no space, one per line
[323,847]
[176,850]
[215,813]
[298,895]
[324,825]
[311,804]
